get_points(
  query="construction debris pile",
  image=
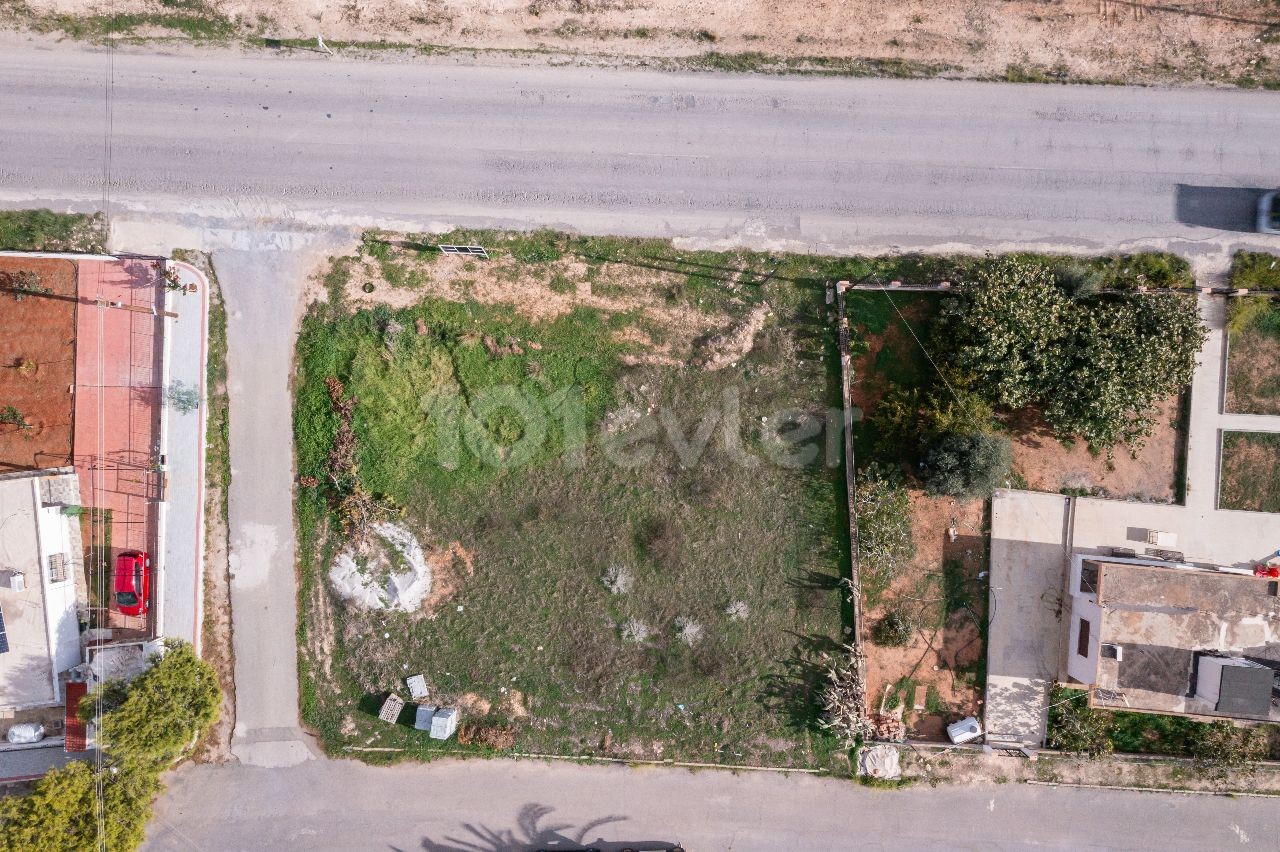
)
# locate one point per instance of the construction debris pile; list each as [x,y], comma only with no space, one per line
[439,722]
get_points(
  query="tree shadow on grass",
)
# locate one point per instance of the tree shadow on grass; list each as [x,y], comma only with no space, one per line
[796,690]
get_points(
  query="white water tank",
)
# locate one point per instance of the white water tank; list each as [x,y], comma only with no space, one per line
[964,731]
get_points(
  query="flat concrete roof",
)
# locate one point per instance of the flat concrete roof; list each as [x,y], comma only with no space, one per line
[1165,618]
[26,676]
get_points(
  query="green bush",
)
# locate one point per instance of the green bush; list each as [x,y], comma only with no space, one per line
[894,630]
[883,511]
[1251,311]
[1255,270]
[1077,280]
[1096,367]
[908,420]
[1075,726]
[966,466]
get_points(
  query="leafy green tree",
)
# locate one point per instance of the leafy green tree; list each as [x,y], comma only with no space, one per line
[144,726]
[1094,366]
[1006,330]
[162,711]
[1120,359]
[967,466]
[62,811]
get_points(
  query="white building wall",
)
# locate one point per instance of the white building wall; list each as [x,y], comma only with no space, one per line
[61,623]
[1084,669]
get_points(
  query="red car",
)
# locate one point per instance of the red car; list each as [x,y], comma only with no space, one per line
[133,582]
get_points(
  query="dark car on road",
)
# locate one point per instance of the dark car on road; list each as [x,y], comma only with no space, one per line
[1269,213]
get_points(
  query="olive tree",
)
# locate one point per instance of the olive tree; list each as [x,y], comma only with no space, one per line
[967,466]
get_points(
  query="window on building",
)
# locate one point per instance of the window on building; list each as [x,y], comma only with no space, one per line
[1082,640]
[57,568]
[1089,578]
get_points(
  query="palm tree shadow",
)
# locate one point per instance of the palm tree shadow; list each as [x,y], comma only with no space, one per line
[532,835]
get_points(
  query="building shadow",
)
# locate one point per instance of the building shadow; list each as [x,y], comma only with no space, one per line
[533,834]
[1223,208]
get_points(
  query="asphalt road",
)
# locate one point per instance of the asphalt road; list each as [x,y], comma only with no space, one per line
[504,806]
[828,163]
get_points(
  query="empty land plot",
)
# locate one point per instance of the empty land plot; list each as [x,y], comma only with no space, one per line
[587,438]
[37,362]
[1250,461]
[1019,40]
[1253,364]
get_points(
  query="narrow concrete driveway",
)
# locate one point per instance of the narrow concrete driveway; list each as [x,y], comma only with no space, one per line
[507,806]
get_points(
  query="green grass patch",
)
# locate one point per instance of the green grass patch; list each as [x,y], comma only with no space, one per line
[1249,464]
[1253,364]
[711,647]
[45,230]
[1255,270]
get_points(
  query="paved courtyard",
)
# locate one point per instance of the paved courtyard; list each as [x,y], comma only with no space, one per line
[119,383]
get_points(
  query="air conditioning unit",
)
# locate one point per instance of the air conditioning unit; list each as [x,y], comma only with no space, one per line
[1112,652]
[15,581]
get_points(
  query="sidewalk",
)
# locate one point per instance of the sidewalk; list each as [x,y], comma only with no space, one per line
[182,545]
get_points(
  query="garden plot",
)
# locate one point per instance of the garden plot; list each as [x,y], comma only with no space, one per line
[635,450]
[1250,461]
[1253,364]
[1012,379]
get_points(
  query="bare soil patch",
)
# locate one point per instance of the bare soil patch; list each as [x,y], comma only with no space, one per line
[1049,464]
[933,680]
[547,290]
[37,363]
[1110,40]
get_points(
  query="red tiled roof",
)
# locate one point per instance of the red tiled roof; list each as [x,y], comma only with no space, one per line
[74,728]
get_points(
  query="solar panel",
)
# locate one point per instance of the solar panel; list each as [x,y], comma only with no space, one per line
[4,635]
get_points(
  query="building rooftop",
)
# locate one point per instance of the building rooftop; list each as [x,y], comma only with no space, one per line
[1188,640]
[37,589]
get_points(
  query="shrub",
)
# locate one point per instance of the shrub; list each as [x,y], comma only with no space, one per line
[894,630]
[1255,270]
[1077,281]
[968,466]
[1220,749]
[1077,727]
[1248,312]
[883,511]
[908,420]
